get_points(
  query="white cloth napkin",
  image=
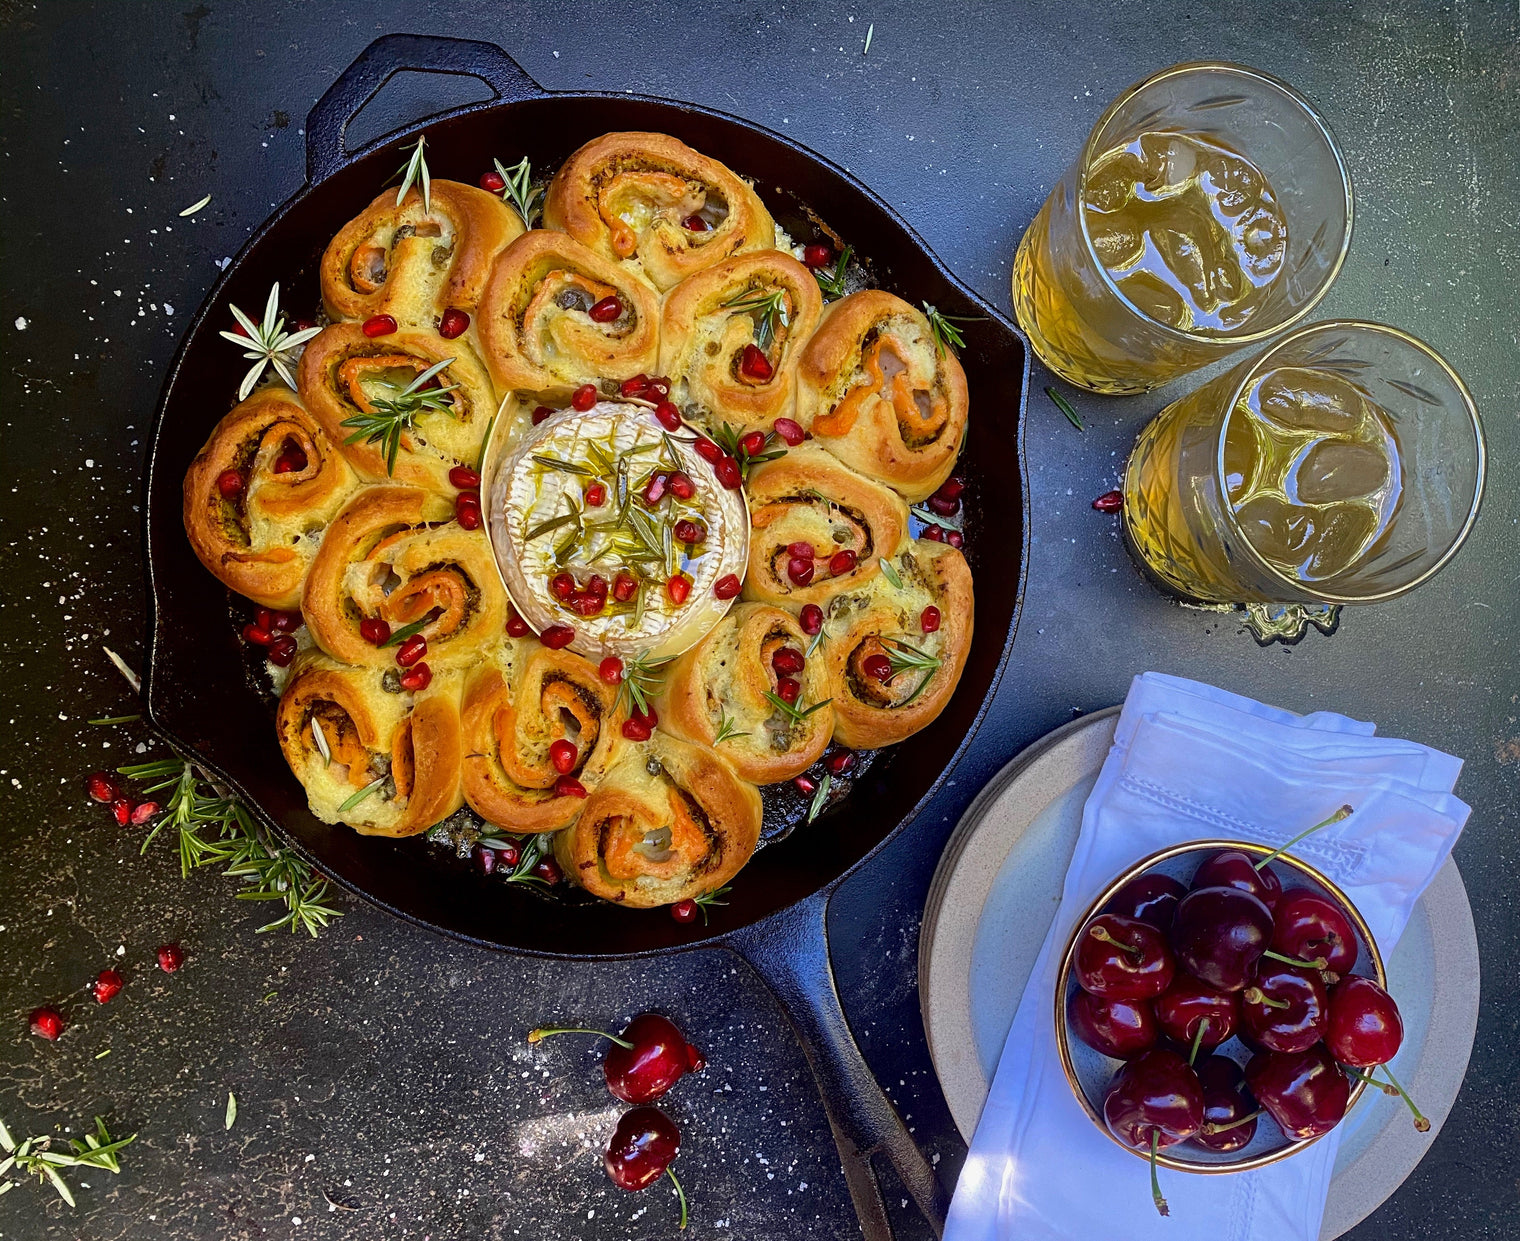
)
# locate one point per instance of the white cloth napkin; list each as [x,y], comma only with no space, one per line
[1190,762]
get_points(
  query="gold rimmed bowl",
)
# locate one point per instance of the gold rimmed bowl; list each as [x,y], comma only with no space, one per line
[1090,1072]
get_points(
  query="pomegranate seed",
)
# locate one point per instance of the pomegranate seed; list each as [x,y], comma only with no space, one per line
[416,678]
[648,716]
[170,957]
[121,811]
[291,461]
[668,415]
[467,511]
[805,785]
[103,786]
[811,619]
[708,451]
[753,443]
[801,548]
[540,413]
[595,495]
[584,397]
[563,756]
[954,538]
[411,650]
[548,870]
[655,491]
[557,636]
[587,604]
[288,622]
[229,483]
[690,531]
[817,255]
[508,855]
[951,489]
[841,562]
[788,690]
[928,620]
[680,485]
[464,478]
[694,224]
[800,570]
[678,587]
[516,626]
[264,619]
[282,650]
[379,325]
[254,634]
[727,586]
[791,432]
[635,729]
[624,587]
[841,762]
[453,323]
[485,859]
[569,786]
[658,390]
[562,585]
[107,985]
[878,666]
[492,182]
[753,364]
[684,911]
[935,534]
[611,670]
[47,1023]
[1109,502]
[143,811]
[375,631]
[788,661]
[606,310]
[727,470]
[942,506]
[636,386]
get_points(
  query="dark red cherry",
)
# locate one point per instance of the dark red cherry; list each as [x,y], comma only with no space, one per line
[1229,1122]
[1183,1007]
[1123,958]
[658,1058]
[1152,898]
[1305,1092]
[644,1144]
[1365,1027]
[1310,927]
[1219,934]
[1156,1092]
[1119,1028]
[1286,1008]
[1232,868]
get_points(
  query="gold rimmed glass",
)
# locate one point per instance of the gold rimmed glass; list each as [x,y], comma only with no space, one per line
[1239,220]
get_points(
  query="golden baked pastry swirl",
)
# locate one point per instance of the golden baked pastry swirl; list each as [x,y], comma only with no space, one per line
[357,385]
[518,704]
[387,763]
[414,264]
[670,820]
[874,389]
[730,338]
[729,692]
[555,315]
[395,554]
[652,201]
[890,672]
[807,507]
[259,494]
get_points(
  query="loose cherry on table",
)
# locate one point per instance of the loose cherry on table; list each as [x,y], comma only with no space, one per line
[1122,1029]
[645,1061]
[1229,1112]
[1123,959]
[643,1146]
[1312,928]
[1153,1102]
[1233,868]
[1192,1012]
[1152,898]
[1286,1007]
[1305,1092]
[1219,934]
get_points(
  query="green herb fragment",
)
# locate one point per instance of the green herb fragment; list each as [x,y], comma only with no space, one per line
[710,899]
[929,517]
[944,327]
[231,1110]
[795,711]
[769,309]
[406,631]
[564,467]
[642,678]
[117,719]
[520,190]
[833,283]
[889,571]
[820,798]
[320,738]
[392,415]
[101,1055]
[726,730]
[1064,406]
[266,343]
[36,1157]
[415,171]
[361,795]
[195,206]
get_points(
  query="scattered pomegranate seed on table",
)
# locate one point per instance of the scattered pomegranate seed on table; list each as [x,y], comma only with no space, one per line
[416,678]
[411,650]
[229,483]
[841,762]
[121,811]
[1109,502]
[102,786]
[817,255]
[541,412]
[379,325]
[492,182]
[727,586]
[753,364]
[811,618]
[106,986]
[47,1023]
[143,812]
[557,636]
[453,323]
[611,670]
[584,397]
[928,620]
[790,432]
[374,630]
[464,478]
[170,957]
[563,755]
[606,310]
[684,911]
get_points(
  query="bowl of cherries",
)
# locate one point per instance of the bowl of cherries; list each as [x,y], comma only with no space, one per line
[1221,1006]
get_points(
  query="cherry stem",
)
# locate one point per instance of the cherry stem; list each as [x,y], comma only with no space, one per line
[1203,1028]
[1420,1122]
[536,1036]
[1255,995]
[680,1193]
[1101,933]
[1318,963]
[1234,1124]
[1342,813]
[1156,1184]
[1371,1081]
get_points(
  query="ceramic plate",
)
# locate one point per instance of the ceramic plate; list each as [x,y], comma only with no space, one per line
[997,888]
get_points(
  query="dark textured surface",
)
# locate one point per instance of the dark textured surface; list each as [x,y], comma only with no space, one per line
[393,1061]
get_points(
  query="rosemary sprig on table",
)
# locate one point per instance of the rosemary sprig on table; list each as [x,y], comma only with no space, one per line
[520,190]
[415,170]
[728,439]
[726,730]
[266,343]
[642,678]
[35,1157]
[392,415]
[944,327]
[832,283]
[769,309]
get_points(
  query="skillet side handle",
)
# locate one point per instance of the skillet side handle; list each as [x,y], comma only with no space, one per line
[790,952]
[328,121]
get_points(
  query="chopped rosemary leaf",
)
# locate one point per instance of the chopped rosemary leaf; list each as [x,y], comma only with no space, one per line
[820,797]
[726,730]
[554,523]
[565,467]
[889,571]
[1064,406]
[944,327]
[361,795]
[195,206]
[833,282]
[406,631]
[320,738]
[794,710]
[117,719]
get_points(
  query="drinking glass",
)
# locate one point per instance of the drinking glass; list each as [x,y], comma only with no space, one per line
[1094,334]
[1244,491]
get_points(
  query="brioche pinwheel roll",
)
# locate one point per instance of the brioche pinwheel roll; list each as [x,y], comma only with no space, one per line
[555,315]
[371,754]
[817,528]
[895,650]
[669,820]
[749,692]
[539,732]
[877,389]
[408,405]
[731,336]
[417,259]
[653,202]
[394,564]
[259,494]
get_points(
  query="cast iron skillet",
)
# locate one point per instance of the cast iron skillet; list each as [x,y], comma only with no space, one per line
[200,697]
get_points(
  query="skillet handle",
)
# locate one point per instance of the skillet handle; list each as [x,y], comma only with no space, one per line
[328,121]
[790,952]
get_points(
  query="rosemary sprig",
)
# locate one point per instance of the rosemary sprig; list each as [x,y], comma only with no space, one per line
[726,730]
[406,631]
[769,309]
[553,523]
[821,797]
[795,711]
[415,169]
[393,415]
[642,678]
[519,189]
[728,439]
[350,802]
[889,571]
[35,1157]
[930,517]
[565,467]
[944,329]
[711,899]
[320,737]
[1064,406]
[833,283]
[266,343]
[532,851]
[904,658]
